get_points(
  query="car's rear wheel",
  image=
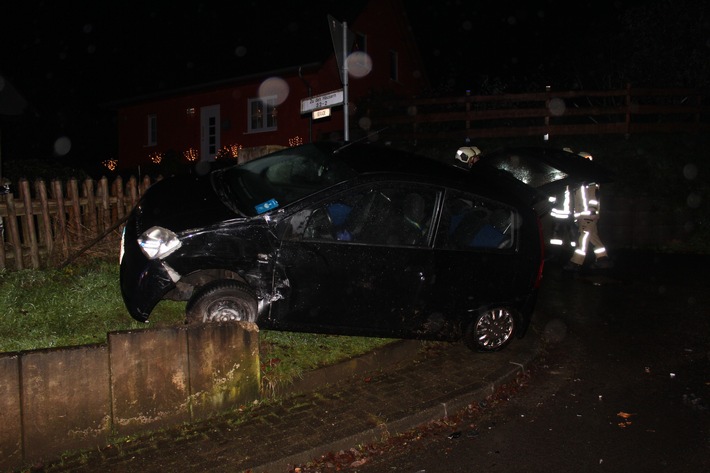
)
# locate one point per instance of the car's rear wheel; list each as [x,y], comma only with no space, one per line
[222,301]
[491,330]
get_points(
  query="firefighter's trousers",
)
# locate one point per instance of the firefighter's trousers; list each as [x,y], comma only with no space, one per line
[588,235]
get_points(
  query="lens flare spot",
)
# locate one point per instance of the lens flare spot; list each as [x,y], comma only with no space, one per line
[359,64]
[62,146]
[690,171]
[557,107]
[274,86]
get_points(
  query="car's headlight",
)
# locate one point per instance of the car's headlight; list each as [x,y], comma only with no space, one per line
[158,242]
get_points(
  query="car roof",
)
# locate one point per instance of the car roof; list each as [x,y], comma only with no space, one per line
[371,158]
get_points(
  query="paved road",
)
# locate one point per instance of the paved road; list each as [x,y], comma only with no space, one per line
[624,384]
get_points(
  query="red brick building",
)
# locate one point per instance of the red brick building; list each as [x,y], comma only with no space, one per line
[261,106]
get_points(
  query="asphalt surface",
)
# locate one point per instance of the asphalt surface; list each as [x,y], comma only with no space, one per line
[622,384]
[375,397]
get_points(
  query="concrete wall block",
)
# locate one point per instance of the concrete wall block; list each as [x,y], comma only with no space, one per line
[65,400]
[149,379]
[224,367]
[10,418]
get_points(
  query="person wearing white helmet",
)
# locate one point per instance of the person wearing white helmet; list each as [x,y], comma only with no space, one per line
[468,155]
[586,214]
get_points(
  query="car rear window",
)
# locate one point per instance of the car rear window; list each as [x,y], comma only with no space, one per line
[532,172]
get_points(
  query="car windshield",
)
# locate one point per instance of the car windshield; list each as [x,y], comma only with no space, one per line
[279,179]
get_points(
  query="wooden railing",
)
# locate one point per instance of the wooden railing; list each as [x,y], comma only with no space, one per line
[44,226]
[47,226]
[625,111]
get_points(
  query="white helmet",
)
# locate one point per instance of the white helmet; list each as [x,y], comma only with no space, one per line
[468,154]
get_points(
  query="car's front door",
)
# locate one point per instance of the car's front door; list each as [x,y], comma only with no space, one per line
[358,261]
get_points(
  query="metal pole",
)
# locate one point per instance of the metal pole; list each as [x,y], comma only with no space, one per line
[345,81]
[310,118]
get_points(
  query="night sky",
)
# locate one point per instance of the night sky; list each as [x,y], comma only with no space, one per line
[69,58]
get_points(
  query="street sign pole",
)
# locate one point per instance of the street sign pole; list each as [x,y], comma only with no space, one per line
[346,121]
[342,43]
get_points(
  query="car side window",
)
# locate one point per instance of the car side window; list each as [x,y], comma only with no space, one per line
[470,222]
[376,215]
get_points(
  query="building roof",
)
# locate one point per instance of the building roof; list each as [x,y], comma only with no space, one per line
[267,38]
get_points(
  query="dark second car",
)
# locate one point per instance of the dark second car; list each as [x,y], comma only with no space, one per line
[351,239]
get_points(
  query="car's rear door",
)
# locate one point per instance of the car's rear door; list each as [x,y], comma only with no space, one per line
[480,256]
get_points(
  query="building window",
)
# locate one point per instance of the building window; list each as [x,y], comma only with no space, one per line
[262,114]
[394,66]
[152,130]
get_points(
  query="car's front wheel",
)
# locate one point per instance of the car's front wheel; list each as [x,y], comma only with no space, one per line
[222,301]
[491,330]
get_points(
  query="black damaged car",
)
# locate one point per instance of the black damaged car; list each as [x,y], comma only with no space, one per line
[352,239]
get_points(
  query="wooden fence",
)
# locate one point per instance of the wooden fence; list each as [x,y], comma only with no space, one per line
[624,111]
[45,226]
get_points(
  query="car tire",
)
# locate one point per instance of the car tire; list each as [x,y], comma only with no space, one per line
[222,301]
[491,330]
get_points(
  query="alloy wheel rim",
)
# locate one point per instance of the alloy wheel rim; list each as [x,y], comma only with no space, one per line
[494,328]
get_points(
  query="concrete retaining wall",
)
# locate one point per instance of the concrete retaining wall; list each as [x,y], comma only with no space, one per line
[75,398]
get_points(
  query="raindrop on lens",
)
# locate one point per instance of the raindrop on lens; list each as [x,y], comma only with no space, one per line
[359,64]
[557,107]
[62,146]
[274,86]
[694,200]
[690,171]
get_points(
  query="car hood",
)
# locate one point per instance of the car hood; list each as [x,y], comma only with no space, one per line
[180,203]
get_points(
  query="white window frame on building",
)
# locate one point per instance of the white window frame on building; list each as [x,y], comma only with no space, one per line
[152,124]
[394,65]
[262,114]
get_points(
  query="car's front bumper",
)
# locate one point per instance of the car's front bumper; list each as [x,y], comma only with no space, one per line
[143,282]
